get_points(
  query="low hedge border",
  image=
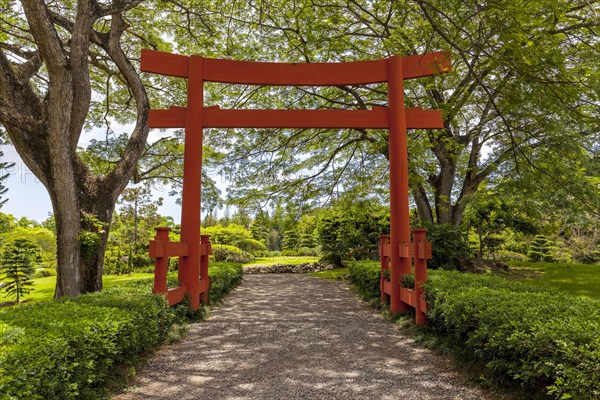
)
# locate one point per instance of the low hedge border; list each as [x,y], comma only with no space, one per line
[539,339]
[67,349]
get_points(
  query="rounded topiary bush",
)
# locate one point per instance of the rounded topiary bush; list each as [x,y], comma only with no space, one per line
[224,252]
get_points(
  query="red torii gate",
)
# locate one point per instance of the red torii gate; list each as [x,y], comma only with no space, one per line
[193,249]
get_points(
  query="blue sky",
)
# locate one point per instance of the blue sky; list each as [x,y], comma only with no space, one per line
[27,197]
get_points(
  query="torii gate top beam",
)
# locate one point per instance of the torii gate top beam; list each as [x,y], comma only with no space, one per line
[294,74]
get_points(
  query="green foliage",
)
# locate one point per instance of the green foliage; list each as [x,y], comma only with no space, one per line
[44,272]
[68,349]
[536,338]
[229,235]
[17,267]
[43,237]
[540,249]
[225,252]
[408,281]
[540,340]
[291,239]
[507,255]
[224,276]
[351,230]
[365,275]
[252,246]
[449,243]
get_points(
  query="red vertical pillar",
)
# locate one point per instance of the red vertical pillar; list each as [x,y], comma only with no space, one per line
[161,262]
[399,208]
[384,240]
[205,245]
[189,267]
[420,250]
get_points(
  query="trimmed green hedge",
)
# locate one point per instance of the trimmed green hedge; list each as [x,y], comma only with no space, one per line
[365,276]
[66,349]
[540,339]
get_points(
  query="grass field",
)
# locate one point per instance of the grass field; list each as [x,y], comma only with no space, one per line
[581,280]
[291,260]
[43,288]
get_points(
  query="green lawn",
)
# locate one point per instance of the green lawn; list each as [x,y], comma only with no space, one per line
[290,260]
[43,288]
[581,280]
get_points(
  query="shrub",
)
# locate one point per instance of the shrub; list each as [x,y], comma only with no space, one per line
[308,251]
[449,243]
[67,349]
[44,273]
[223,277]
[365,276]
[251,246]
[224,252]
[537,338]
[289,253]
[507,255]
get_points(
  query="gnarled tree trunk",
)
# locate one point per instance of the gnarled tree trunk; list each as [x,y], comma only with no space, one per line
[45,128]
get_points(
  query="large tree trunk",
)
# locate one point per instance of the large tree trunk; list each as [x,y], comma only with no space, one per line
[45,129]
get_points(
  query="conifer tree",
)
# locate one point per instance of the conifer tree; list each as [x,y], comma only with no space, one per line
[18,265]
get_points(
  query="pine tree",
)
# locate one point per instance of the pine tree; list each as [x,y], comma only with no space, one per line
[308,240]
[18,266]
[541,249]
[291,239]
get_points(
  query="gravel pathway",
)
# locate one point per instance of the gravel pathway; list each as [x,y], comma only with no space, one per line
[290,336]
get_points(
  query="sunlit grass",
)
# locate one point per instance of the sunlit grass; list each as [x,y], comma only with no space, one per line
[43,288]
[581,280]
[289,260]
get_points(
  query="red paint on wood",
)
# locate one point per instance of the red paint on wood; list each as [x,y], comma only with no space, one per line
[189,270]
[295,74]
[398,156]
[176,295]
[408,296]
[205,280]
[214,117]
[161,264]
[396,250]
[217,118]
[158,62]
[420,244]
[384,257]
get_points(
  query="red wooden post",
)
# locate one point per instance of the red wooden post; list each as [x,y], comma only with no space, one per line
[384,257]
[189,267]
[399,208]
[204,280]
[422,251]
[158,249]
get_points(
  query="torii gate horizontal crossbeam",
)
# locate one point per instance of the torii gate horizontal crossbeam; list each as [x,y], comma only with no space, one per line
[214,117]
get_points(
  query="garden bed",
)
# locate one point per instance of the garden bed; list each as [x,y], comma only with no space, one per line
[536,338]
[69,348]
